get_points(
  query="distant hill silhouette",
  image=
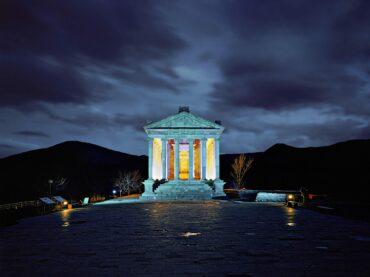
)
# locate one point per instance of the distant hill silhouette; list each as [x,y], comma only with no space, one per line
[340,169]
[89,170]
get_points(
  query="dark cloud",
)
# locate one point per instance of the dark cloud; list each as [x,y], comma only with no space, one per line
[99,120]
[29,133]
[46,46]
[7,150]
[268,93]
[139,120]
[139,75]
[350,41]
[300,16]
[93,29]
[10,149]
[294,54]
[27,79]
[290,71]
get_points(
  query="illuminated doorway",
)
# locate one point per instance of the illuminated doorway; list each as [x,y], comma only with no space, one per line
[184,160]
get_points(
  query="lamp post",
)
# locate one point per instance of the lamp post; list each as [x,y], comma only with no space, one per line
[50,184]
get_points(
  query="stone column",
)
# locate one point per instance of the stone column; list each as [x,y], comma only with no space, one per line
[219,184]
[217,157]
[164,145]
[148,184]
[176,159]
[204,158]
[191,159]
[150,158]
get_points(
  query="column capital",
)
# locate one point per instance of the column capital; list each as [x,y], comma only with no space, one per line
[149,138]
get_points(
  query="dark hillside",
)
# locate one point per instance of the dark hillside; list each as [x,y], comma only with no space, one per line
[342,169]
[89,169]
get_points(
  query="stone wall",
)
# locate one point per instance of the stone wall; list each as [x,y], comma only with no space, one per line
[260,196]
[270,197]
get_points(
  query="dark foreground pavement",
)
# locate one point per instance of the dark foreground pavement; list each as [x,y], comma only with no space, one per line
[211,238]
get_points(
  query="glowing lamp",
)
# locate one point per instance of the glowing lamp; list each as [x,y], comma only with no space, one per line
[114,191]
[65,203]
[290,196]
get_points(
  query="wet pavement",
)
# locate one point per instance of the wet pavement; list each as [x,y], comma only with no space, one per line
[209,238]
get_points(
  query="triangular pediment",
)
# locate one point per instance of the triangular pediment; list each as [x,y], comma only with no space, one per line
[183,120]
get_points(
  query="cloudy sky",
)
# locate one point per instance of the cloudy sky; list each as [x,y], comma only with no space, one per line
[287,71]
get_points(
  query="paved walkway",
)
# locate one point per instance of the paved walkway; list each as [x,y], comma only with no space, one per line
[211,238]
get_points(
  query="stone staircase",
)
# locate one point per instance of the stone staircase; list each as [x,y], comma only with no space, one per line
[184,191]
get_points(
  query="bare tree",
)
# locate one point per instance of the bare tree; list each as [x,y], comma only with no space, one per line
[239,168]
[57,184]
[128,182]
[60,183]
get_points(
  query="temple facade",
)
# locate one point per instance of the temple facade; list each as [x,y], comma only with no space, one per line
[183,158]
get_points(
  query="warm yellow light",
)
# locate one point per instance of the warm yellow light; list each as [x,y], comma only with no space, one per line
[184,165]
[157,159]
[211,170]
[290,196]
[65,214]
[65,203]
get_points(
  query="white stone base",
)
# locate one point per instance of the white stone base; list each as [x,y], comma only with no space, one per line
[148,190]
[219,188]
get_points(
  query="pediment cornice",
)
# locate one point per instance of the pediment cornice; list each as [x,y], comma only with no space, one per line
[184,120]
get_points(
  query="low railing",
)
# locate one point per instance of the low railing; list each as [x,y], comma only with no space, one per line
[19,205]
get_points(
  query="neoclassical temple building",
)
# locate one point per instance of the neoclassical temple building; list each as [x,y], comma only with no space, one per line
[184,158]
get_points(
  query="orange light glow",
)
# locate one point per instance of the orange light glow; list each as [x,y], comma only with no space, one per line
[184,165]
[197,160]
[211,170]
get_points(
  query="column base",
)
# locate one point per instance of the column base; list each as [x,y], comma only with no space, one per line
[219,188]
[148,190]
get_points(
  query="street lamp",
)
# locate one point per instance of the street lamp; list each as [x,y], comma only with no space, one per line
[50,183]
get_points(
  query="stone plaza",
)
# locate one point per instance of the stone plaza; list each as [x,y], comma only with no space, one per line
[198,238]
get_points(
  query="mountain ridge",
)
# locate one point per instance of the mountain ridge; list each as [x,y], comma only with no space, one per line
[90,169]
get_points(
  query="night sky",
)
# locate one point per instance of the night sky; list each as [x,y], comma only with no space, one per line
[294,72]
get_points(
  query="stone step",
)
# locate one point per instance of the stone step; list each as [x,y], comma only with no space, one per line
[166,187]
[184,191]
[185,197]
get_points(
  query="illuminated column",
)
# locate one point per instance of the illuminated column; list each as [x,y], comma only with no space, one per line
[191,159]
[164,140]
[150,157]
[176,159]
[204,158]
[217,157]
